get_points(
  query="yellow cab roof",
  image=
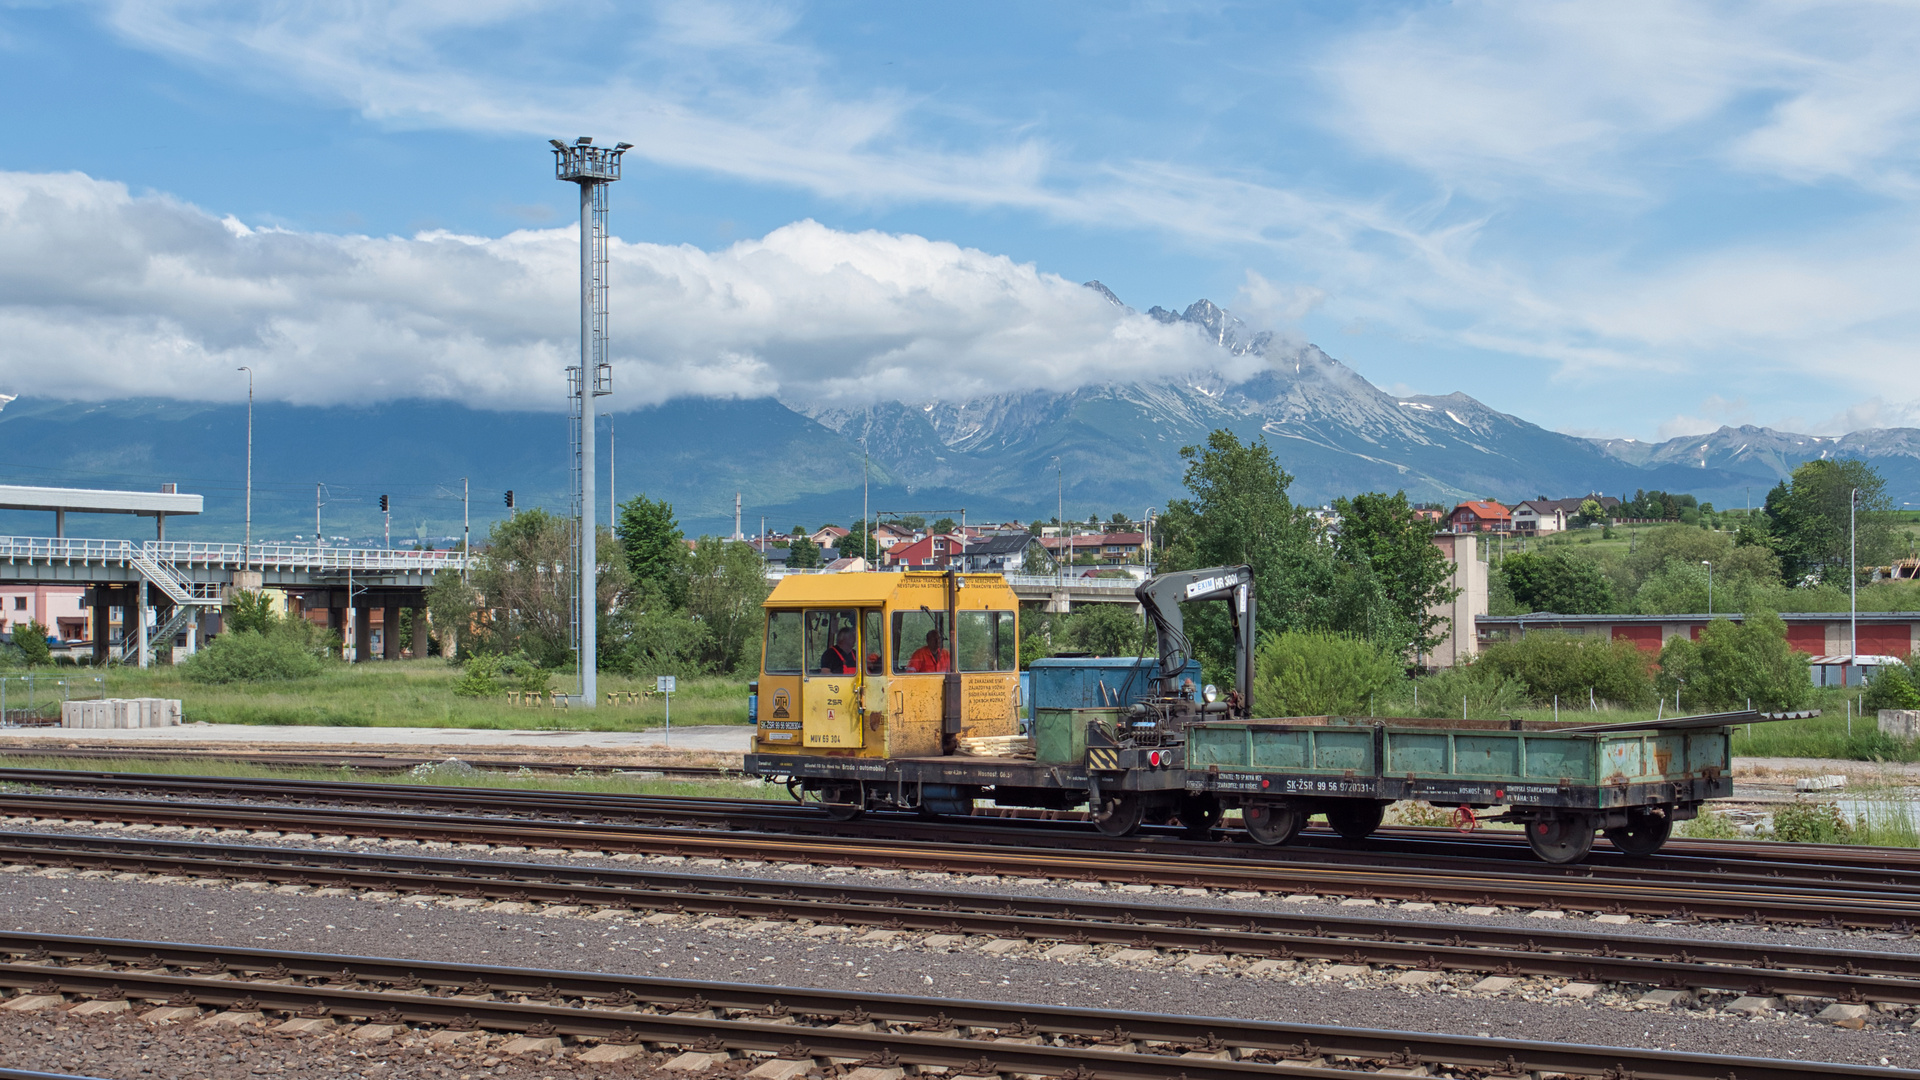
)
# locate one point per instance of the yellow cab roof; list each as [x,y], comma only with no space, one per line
[874,587]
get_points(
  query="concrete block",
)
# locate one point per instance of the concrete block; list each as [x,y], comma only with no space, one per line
[1415,978]
[1482,909]
[1547,913]
[1579,991]
[1753,1006]
[1842,1011]
[1613,920]
[1416,905]
[1347,971]
[1200,961]
[1301,898]
[98,1008]
[1066,951]
[1358,901]
[818,931]
[1271,967]
[877,1072]
[1829,782]
[942,941]
[878,937]
[448,1037]
[1135,956]
[1002,946]
[613,1052]
[33,1002]
[1665,999]
[170,1014]
[1492,984]
[377,1032]
[530,1044]
[782,1069]
[662,918]
[233,1019]
[305,1025]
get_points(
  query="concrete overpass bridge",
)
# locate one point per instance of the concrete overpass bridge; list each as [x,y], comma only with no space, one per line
[184,581]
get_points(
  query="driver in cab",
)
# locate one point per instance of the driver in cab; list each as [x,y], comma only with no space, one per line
[841,657]
[930,657]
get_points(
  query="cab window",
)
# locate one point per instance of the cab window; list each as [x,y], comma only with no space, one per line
[828,653]
[782,655]
[871,641]
[988,641]
[912,651]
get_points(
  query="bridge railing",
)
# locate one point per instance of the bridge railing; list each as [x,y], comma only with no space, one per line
[194,554]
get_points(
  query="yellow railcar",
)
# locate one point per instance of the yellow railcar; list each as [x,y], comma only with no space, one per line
[858,670]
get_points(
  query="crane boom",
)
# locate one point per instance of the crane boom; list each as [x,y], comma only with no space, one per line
[1161,598]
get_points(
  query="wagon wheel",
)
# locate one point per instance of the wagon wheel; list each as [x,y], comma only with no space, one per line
[1647,828]
[1273,823]
[1199,815]
[1119,815]
[843,803]
[1562,838]
[1356,820]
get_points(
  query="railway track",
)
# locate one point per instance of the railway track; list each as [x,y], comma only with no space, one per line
[1832,863]
[373,763]
[627,1015]
[1817,898]
[1845,975]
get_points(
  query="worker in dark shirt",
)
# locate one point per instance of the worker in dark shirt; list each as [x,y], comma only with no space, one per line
[841,657]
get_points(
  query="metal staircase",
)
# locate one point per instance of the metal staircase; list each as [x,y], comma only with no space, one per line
[189,597]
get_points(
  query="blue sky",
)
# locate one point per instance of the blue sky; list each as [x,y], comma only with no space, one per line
[1638,219]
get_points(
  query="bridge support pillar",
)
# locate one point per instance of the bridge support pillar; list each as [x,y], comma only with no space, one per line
[420,642]
[362,633]
[337,622]
[1059,603]
[140,622]
[102,622]
[390,632]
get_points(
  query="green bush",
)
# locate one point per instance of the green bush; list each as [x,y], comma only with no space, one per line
[1550,664]
[1710,825]
[1469,690]
[1733,663]
[482,678]
[1809,822]
[250,657]
[1896,687]
[1557,581]
[249,612]
[30,638]
[1319,674]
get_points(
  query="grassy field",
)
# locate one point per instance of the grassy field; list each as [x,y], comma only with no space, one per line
[437,776]
[419,693]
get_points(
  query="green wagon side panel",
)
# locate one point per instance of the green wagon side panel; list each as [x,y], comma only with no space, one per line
[1486,755]
[1623,757]
[1060,735]
[1553,758]
[1217,746]
[1416,753]
[1279,749]
[1343,750]
[1669,753]
[1708,750]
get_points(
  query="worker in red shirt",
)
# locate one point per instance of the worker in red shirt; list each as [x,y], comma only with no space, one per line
[932,657]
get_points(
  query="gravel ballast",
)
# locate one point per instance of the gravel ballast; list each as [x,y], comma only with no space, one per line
[789,955]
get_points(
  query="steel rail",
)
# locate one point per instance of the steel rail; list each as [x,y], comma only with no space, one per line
[968,1036]
[314,759]
[1687,861]
[1805,903]
[1841,974]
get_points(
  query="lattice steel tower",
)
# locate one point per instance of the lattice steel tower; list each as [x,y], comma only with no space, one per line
[593,168]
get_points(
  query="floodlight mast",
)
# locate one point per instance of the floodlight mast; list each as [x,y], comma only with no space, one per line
[593,168]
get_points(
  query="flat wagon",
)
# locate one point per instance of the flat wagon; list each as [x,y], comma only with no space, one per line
[1563,782]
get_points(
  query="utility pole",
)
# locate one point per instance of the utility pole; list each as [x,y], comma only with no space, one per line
[466,529]
[318,541]
[1853,578]
[613,518]
[866,533]
[593,168]
[1709,566]
[246,555]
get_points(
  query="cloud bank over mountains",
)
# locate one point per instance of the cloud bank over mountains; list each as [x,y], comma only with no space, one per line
[107,294]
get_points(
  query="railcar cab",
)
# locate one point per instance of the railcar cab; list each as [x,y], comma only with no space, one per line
[885,666]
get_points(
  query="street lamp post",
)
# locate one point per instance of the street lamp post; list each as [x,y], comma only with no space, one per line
[1709,566]
[1853,577]
[246,555]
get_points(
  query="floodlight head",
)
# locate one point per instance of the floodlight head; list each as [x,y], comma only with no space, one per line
[584,140]
[557,144]
[623,146]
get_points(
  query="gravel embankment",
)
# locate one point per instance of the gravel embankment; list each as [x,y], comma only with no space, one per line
[1531,1009]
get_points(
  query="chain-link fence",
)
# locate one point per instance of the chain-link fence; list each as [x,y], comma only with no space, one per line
[33,700]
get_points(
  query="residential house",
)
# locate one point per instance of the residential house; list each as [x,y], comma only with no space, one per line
[56,607]
[1537,516]
[886,535]
[1010,553]
[828,536]
[1480,515]
[928,552]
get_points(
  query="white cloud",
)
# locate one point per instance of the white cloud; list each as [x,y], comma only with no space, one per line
[1496,96]
[104,295]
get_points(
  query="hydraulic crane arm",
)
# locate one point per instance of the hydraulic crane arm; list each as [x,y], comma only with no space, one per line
[1162,596]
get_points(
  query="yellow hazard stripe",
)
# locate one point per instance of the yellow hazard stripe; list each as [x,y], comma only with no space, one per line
[1103,759]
